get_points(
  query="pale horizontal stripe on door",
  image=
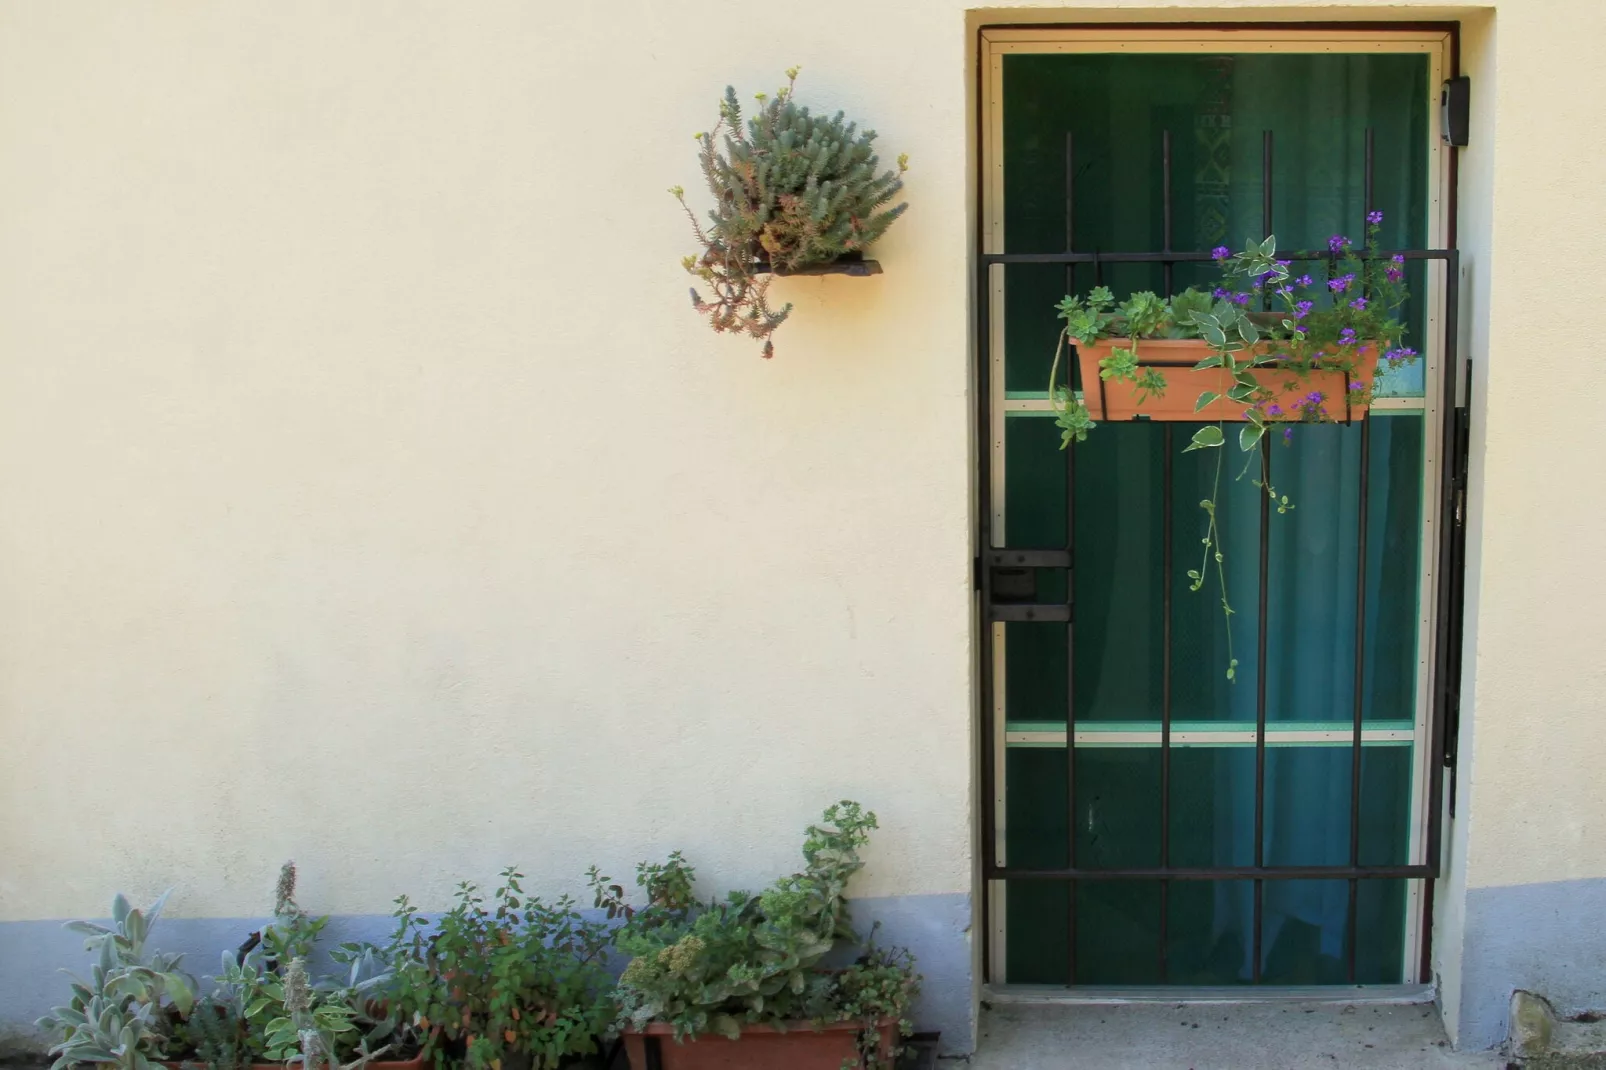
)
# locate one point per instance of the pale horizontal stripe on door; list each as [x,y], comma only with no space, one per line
[1209,734]
[1036,403]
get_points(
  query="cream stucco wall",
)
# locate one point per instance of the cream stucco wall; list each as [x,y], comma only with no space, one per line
[376,498]
[373,496]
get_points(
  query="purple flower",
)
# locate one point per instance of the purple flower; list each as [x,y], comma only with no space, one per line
[1283,263]
[1374,217]
[1359,304]
[1220,292]
[1284,291]
[1337,243]
[1346,337]
[1315,397]
[1398,258]
[1275,410]
[1241,298]
[1356,384]
[1288,434]
[1393,274]
[1220,252]
[1397,356]
[1304,280]
[1302,309]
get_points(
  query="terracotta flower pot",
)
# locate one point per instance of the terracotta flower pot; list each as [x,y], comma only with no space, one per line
[801,1046]
[1109,400]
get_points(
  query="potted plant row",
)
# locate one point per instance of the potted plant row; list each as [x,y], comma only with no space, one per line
[794,193]
[1264,349]
[511,982]
[265,1007]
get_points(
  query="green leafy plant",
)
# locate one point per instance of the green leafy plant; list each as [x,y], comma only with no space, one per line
[756,958]
[1334,324]
[512,976]
[791,189]
[125,1014]
[266,1007]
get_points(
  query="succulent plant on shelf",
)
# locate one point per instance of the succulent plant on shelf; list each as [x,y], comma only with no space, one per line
[791,189]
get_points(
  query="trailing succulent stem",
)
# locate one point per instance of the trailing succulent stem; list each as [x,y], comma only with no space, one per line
[791,189]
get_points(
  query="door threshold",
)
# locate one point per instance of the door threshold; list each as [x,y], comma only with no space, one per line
[1210,994]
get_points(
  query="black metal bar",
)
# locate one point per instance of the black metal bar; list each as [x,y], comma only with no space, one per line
[1031,613]
[1452,611]
[1167,267]
[1191,256]
[1167,480]
[1070,585]
[1265,184]
[1352,936]
[1265,200]
[1219,873]
[1027,558]
[1259,656]
[1070,216]
[984,539]
[1366,181]
[1070,705]
[984,674]
[1442,685]
[1260,696]
[1070,191]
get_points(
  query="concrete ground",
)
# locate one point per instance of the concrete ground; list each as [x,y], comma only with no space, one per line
[1207,1036]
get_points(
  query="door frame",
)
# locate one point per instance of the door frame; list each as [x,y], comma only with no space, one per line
[1440,43]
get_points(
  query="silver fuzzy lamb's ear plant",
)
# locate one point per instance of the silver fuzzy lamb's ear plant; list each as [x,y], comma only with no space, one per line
[284,892]
[298,1005]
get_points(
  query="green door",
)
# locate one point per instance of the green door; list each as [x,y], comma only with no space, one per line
[1121,152]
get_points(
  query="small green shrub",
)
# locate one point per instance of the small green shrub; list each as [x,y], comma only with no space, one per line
[714,967]
[514,976]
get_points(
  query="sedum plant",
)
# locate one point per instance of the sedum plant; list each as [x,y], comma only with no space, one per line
[791,189]
[756,958]
[1332,319]
[124,1014]
[504,979]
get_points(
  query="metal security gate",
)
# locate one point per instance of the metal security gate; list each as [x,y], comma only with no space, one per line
[1028,581]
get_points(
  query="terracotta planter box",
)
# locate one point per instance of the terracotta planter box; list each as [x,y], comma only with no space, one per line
[760,1047]
[1108,400]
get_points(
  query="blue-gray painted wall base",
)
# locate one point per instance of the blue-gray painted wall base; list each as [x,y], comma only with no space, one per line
[1548,938]
[936,928]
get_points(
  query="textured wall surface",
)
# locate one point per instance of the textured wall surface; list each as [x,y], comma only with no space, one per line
[373,498]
